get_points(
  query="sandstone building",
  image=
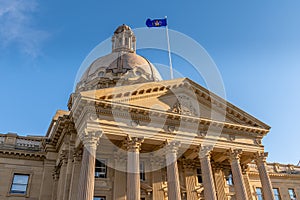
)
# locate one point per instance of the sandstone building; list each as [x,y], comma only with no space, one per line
[128,134]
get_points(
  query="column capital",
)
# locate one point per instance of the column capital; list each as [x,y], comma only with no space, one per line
[245,168]
[134,143]
[205,151]
[91,138]
[234,154]
[55,174]
[77,155]
[260,157]
[172,146]
[63,156]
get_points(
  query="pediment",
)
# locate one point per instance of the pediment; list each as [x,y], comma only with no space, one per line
[181,96]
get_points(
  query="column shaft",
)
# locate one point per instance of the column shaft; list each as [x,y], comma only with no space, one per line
[264,177]
[133,168]
[172,171]
[207,176]
[239,185]
[87,175]
[87,170]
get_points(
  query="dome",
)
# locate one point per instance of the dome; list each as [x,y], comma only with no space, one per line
[121,67]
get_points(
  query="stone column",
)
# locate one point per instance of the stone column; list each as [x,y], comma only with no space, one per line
[75,171]
[207,176]
[119,190]
[264,177]
[239,185]
[133,168]
[172,170]
[190,180]
[87,171]
[157,181]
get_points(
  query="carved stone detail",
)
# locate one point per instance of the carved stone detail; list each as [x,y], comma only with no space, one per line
[184,106]
[134,144]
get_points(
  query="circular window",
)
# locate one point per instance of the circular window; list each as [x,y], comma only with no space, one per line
[138,73]
[101,74]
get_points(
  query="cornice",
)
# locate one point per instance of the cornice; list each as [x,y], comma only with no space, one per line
[136,110]
[22,154]
[130,92]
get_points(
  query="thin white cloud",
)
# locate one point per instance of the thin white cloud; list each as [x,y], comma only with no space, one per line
[17,26]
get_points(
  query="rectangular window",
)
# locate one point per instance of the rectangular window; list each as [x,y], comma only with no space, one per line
[259,193]
[100,169]
[229,179]
[292,194]
[276,193]
[19,184]
[99,198]
[142,171]
[199,175]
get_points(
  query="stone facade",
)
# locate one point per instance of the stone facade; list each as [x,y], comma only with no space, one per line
[144,139]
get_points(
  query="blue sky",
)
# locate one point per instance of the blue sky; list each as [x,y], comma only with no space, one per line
[255,44]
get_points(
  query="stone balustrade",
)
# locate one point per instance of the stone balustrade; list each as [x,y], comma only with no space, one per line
[14,141]
[276,168]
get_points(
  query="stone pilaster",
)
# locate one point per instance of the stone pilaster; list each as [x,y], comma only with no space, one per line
[87,171]
[68,174]
[47,183]
[172,170]
[157,182]
[220,183]
[239,185]
[62,174]
[246,181]
[119,190]
[133,168]
[55,176]
[77,156]
[190,179]
[207,176]
[260,160]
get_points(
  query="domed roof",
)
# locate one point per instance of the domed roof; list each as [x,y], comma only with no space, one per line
[122,66]
[122,28]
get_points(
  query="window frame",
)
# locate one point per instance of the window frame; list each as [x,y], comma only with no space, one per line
[277,196]
[142,171]
[103,197]
[229,179]
[260,195]
[199,175]
[294,193]
[26,194]
[99,172]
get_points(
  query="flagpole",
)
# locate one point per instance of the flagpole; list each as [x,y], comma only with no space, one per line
[169,50]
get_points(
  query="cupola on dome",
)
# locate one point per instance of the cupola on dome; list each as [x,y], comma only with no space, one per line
[121,67]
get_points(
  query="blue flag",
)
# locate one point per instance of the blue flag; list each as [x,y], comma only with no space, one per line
[156,22]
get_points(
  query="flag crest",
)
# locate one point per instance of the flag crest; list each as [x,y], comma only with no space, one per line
[156,22]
